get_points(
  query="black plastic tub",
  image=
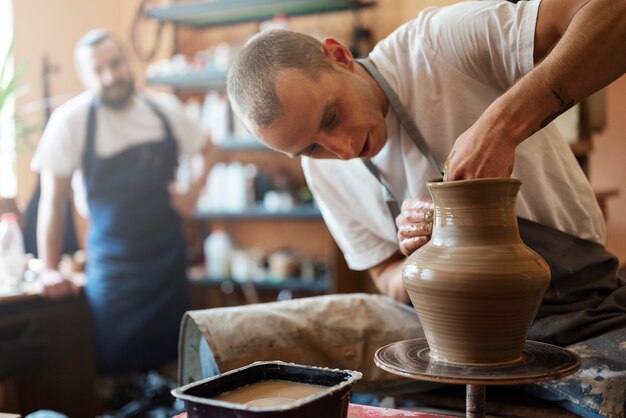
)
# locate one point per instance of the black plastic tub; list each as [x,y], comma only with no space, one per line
[331,402]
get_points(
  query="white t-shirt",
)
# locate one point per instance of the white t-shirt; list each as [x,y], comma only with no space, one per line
[60,149]
[447,66]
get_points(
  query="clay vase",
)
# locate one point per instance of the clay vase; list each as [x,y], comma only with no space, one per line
[475,285]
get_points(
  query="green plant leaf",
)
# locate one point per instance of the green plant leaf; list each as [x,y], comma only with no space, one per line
[8,86]
[5,63]
[11,85]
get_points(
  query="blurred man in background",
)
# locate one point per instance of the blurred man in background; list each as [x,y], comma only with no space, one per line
[121,149]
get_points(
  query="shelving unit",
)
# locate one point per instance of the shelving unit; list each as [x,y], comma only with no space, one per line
[228,12]
[209,293]
[202,81]
[301,229]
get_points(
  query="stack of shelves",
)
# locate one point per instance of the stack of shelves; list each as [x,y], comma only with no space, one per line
[271,229]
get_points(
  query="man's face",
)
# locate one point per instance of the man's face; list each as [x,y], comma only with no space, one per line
[105,72]
[337,116]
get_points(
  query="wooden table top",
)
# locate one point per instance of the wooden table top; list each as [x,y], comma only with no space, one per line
[32,290]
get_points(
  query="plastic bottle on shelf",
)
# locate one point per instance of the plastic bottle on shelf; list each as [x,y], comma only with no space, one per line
[216,188]
[214,117]
[12,254]
[218,250]
[235,199]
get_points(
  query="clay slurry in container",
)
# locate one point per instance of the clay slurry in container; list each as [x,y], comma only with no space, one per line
[475,285]
[327,395]
[270,393]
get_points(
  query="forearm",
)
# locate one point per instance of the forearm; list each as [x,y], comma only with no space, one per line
[387,277]
[589,55]
[50,226]
[50,223]
[198,183]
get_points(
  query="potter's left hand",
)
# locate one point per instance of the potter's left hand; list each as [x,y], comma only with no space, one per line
[183,203]
[415,224]
[481,152]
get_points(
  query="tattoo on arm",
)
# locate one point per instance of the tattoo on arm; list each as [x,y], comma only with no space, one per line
[565,102]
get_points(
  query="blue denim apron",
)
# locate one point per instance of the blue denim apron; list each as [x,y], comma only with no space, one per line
[136,287]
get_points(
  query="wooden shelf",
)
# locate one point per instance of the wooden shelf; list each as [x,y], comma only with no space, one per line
[294,284]
[242,144]
[301,213]
[193,80]
[227,12]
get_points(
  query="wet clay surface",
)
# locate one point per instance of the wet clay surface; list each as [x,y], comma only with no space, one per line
[271,393]
[475,286]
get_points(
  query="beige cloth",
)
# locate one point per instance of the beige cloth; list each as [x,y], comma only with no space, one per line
[337,331]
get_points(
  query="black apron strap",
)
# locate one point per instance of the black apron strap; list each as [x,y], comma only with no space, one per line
[90,142]
[392,203]
[166,125]
[409,126]
[405,119]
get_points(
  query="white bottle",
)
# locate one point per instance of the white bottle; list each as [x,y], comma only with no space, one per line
[216,188]
[214,119]
[235,197]
[12,255]
[218,250]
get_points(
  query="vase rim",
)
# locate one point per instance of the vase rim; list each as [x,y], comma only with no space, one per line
[439,183]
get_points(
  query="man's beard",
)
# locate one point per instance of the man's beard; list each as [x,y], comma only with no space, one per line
[118,100]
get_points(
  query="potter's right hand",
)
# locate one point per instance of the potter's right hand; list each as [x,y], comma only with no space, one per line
[55,286]
[415,224]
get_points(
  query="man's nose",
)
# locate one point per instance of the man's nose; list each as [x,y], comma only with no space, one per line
[340,146]
[107,76]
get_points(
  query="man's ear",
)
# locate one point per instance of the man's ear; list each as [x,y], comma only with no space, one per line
[338,53]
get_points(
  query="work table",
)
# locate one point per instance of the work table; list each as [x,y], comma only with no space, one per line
[46,354]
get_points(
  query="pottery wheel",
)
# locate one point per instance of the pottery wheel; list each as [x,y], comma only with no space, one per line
[411,358]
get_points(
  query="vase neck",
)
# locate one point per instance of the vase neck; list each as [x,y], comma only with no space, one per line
[475,212]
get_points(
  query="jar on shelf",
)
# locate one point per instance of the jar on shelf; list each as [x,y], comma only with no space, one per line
[218,250]
[12,254]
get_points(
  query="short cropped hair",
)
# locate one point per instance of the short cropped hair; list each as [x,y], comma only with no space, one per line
[90,40]
[251,80]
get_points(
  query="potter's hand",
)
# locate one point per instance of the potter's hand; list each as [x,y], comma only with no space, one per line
[183,203]
[480,152]
[415,224]
[55,286]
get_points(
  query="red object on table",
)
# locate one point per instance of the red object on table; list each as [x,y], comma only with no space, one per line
[361,411]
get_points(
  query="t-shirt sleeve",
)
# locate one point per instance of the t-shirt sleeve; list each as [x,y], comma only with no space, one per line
[491,42]
[59,149]
[358,235]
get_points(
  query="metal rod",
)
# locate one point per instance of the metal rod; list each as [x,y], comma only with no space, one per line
[475,401]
